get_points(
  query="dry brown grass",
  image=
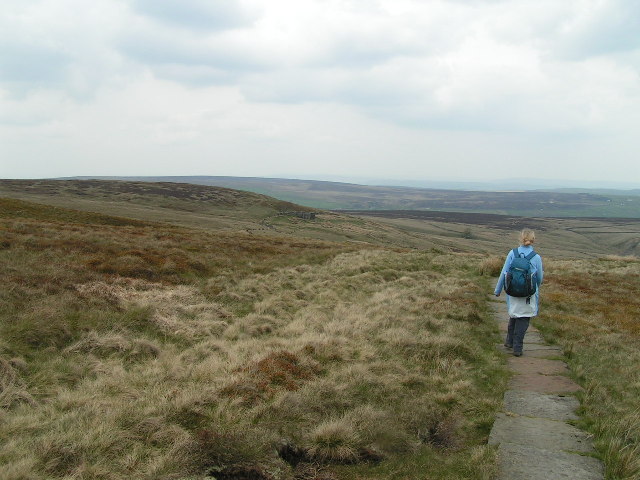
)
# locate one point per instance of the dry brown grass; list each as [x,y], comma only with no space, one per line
[13,390]
[151,251]
[154,372]
[261,380]
[106,344]
[598,294]
[491,266]
[591,308]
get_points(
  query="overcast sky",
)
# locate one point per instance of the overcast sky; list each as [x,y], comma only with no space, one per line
[389,89]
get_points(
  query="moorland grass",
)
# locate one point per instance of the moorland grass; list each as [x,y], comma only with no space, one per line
[155,352]
[591,308]
[217,209]
[491,267]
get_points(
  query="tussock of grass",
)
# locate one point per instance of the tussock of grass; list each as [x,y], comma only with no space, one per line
[491,266]
[105,344]
[592,310]
[334,441]
[12,388]
[260,380]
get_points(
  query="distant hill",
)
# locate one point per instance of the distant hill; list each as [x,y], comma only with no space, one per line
[190,194]
[210,208]
[220,209]
[192,205]
[597,191]
[348,196]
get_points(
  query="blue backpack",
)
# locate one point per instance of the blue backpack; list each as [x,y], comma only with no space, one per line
[520,280]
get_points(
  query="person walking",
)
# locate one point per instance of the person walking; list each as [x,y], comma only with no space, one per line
[521,309]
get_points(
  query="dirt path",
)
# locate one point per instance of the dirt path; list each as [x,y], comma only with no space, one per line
[535,440]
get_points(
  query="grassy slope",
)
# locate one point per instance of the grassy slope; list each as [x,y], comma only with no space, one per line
[591,308]
[333,195]
[209,208]
[566,237]
[131,308]
[182,204]
[132,349]
[220,209]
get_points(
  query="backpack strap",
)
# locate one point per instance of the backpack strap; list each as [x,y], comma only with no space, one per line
[516,254]
[529,257]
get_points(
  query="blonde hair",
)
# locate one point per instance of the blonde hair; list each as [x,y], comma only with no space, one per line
[527,237]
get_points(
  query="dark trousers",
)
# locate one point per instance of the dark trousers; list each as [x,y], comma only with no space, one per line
[515,332]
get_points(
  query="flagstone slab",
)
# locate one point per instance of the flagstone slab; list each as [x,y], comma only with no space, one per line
[531,463]
[534,404]
[534,382]
[535,346]
[539,433]
[543,366]
[534,350]
[532,337]
[555,354]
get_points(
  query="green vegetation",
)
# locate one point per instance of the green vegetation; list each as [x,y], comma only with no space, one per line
[205,208]
[337,196]
[591,308]
[562,237]
[222,210]
[346,196]
[153,333]
[132,349]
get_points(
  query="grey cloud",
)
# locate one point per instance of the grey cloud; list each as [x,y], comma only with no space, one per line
[384,99]
[22,119]
[476,2]
[615,29]
[424,113]
[157,50]
[187,59]
[361,52]
[199,14]
[349,55]
[43,49]
[415,105]
[192,57]
[24,66]
[190,44]
[195,75]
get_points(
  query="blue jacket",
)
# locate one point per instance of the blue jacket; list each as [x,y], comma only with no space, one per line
[518,307]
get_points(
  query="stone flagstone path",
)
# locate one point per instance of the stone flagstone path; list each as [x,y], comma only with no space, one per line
[534,440]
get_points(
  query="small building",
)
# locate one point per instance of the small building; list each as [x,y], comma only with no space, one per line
[303,215]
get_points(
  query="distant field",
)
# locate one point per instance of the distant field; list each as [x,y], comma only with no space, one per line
[575,237]
[222,209]
[505,222]
[344,196]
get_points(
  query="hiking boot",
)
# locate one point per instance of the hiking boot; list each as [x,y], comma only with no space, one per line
[508,345]
[517,354]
